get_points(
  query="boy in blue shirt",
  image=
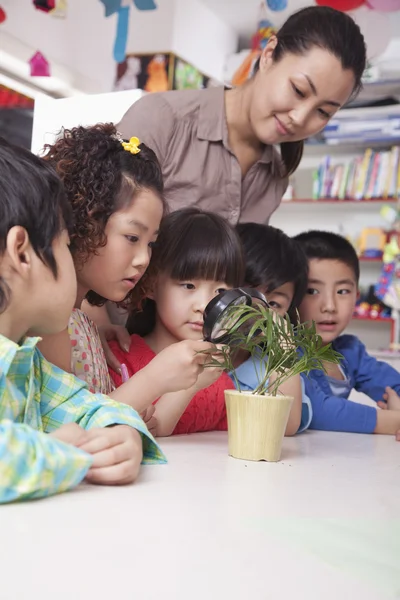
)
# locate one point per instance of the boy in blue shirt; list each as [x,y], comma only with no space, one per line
[329,301]
[53,431]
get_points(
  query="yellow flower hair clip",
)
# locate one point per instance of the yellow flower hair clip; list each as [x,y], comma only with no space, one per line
[132,146]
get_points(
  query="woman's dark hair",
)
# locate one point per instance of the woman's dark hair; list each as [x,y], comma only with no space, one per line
[329,29]
[33,197]
[272,258]
[100,178]
[193,244]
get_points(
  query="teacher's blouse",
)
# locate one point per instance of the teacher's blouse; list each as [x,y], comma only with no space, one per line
[188,132]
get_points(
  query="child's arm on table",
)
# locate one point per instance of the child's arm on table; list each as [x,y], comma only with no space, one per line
[371,376]
[116,451]
[35,465]
[334,413]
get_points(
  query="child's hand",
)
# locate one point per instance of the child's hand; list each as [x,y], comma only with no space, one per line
[117,453]
[209,375]
[71,433]
[150,420]
[391,400]
[179,365]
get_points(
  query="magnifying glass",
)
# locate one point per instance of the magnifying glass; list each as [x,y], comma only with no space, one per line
[218,317]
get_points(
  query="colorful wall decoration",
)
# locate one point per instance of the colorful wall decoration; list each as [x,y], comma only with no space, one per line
[158,72]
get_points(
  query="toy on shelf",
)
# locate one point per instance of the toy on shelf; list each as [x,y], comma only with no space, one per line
[370,306]
[372,242]
[362,310]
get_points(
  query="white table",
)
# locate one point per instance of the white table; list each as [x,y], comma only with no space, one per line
[322,524]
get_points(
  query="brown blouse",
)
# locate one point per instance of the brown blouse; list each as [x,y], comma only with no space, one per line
[188,132]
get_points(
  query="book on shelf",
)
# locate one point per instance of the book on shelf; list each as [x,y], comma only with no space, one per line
[363,128]
[373,175]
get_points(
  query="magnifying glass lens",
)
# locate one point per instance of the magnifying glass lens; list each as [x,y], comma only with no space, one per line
[226,319]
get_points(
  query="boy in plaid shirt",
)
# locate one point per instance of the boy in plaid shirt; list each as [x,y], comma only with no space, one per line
[53,431]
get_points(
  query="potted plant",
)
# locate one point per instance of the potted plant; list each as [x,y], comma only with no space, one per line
[257,420]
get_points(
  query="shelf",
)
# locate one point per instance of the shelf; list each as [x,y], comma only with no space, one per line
[365,259]
[341,202]
[377,320]
[306,204]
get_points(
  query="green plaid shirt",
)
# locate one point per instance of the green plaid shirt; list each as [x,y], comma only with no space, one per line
[36,398]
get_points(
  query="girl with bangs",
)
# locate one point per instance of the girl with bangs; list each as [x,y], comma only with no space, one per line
[198,255]
[115,192]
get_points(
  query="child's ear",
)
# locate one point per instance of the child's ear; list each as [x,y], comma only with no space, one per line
[19,248]
[358,294]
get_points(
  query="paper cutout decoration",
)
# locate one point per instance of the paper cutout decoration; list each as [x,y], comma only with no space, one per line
[277,5]
[44,5]
[258,42]
[145,4]
[342,5]
[40,67]
[121,37]
[111,6]
[384,5]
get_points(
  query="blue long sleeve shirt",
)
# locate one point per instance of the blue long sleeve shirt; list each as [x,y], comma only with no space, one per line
[364,373]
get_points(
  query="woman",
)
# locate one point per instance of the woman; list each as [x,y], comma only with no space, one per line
[216,146]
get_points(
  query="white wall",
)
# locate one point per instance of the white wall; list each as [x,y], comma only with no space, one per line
[82,43]
[80,47]
[202,38]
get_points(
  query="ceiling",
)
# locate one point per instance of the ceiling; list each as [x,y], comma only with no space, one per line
[243,15]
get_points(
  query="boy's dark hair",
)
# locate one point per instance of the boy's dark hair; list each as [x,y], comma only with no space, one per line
[193,244]
[100,178]
[33,197]
[326,28]
[325,245]
[272,258]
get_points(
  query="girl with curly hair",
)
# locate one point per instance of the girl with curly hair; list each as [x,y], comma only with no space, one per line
[115,189]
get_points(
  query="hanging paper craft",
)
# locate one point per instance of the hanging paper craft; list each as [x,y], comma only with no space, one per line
[342,5]
[3,15]
[111,6]
[258,42]
[384,5]
[277,5]
[44,5]
[121,37]
[145,4]
[39,66]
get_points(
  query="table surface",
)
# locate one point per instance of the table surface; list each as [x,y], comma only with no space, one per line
[324,523]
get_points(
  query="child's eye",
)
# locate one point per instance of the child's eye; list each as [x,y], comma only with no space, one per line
[152,245]
[220,291]
[132,238]
[344,292]
[188,286]
[312,291]
[274,305]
